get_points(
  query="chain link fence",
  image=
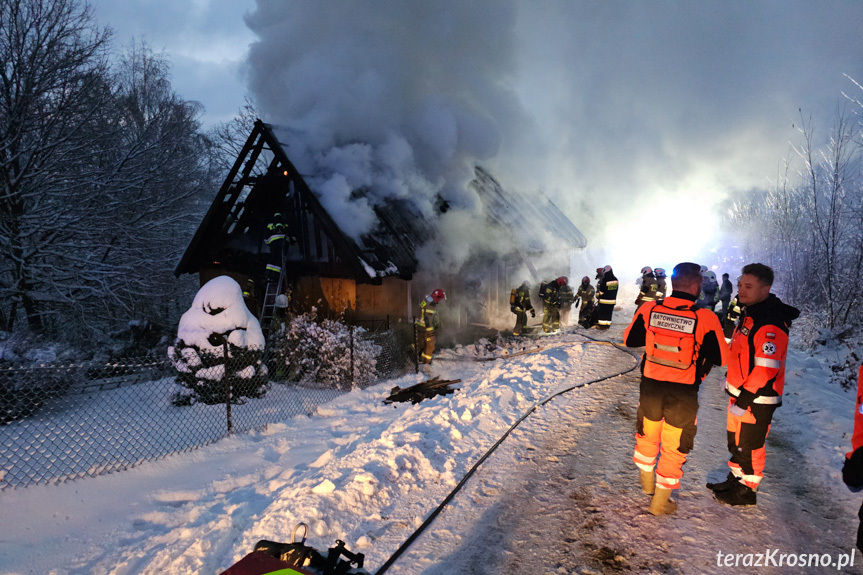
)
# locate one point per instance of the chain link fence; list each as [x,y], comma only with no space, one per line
[61,422]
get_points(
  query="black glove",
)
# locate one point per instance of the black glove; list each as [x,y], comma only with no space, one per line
[852,471]
[533,313]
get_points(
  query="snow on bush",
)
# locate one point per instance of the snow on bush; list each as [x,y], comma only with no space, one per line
[218,314]
[312,351]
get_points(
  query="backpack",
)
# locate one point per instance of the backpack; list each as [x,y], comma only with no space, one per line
[670,345]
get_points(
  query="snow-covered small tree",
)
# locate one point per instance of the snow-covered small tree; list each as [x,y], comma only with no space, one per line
[323,352]
[218,316]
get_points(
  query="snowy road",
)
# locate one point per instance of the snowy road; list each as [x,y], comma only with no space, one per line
[560,495]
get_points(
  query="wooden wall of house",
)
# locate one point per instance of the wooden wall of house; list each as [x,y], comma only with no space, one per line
[332,297]
[390,299]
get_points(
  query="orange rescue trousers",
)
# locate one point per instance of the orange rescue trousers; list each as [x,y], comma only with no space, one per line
[746,436]
[665,428]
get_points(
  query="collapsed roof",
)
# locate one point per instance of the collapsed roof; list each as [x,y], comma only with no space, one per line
[263,181]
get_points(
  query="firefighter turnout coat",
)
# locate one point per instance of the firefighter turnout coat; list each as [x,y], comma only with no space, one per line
[649,290]
[520,305]
[755,382]
[606,297]
[681,344]
[426,324]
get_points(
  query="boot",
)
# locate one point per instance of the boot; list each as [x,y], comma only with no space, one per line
[647,481]
[738,494]
[661,504]
[724,485]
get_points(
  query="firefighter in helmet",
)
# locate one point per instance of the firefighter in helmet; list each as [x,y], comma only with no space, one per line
[606,296]
[585,296]
[649,288]
[661,285]
[567,298]
[520,305]
[277,242]
[427,323]
[550,293]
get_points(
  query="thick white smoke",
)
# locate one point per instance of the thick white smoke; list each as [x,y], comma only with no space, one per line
[389,99]
[637,119]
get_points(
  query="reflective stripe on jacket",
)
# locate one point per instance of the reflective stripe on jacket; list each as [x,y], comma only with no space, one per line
[756,370]
[606,289]
[427,316]
[673,335]
[758,361]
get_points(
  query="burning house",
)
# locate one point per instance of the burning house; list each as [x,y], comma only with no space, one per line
[378,277]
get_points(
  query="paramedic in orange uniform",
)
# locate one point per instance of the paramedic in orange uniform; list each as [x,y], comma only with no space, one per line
[852,471]
[756,378]
[681,344]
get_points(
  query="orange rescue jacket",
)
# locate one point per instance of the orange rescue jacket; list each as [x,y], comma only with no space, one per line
[673,334]
[756,370]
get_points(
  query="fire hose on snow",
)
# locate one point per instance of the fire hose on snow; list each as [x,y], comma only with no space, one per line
[431,517]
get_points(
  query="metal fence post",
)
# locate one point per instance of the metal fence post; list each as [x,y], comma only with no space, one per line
[416,347]
[352,357]
[227,381]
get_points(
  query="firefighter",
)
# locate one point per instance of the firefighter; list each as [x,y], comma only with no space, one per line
[730,321]
[649,288]
[754,383]
[852,470]
[606,297]
[567,298]
[550,294]
[427,323]
[682,342]
[661,286]
[280,320]
[709,291]
[585,295]
[277,241]
[520,305]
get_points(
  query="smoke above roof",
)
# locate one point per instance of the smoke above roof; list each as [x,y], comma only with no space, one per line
[611,109]
[386,100]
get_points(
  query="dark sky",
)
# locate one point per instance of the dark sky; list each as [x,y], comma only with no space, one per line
[632,116]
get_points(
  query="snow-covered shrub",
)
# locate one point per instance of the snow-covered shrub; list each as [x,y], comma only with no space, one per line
[312,351]
[218,314]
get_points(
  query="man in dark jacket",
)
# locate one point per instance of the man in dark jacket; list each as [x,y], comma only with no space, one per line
[521,305]
[725,291]
[754,383]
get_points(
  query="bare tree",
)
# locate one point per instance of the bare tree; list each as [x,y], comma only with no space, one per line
[100,168]
[227,139]
[52,88]
[830,186]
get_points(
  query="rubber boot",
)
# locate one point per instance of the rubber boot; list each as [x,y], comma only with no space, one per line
[740,494]
[661,504]
[647,481]
[729,482]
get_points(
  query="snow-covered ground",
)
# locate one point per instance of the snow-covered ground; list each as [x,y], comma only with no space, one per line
[559,495]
